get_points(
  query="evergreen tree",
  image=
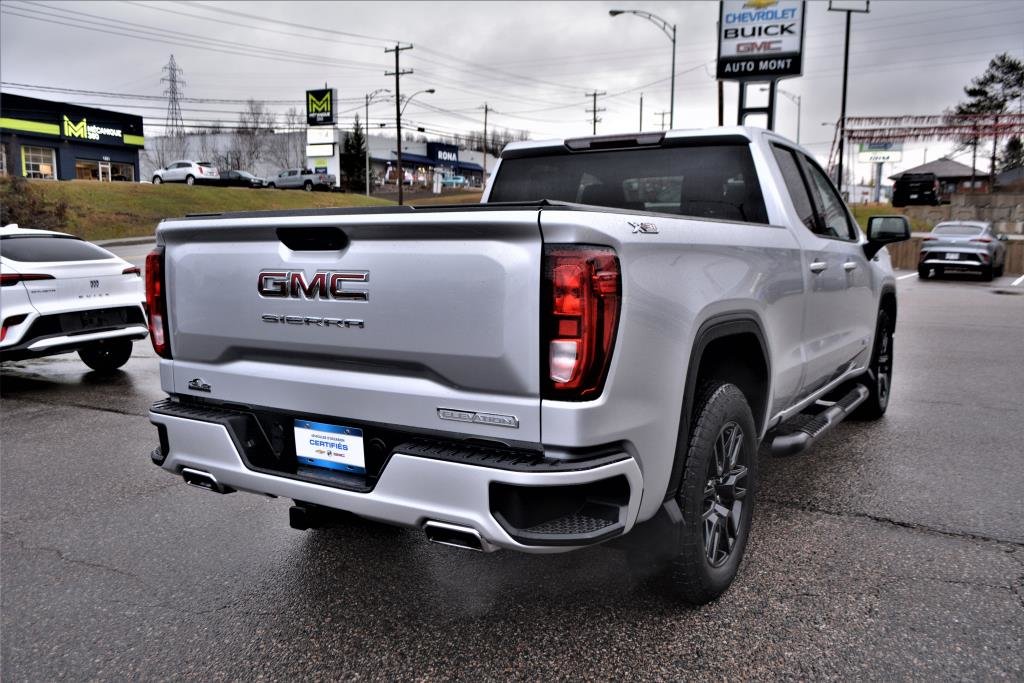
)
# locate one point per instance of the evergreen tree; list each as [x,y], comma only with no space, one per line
[354,158]
[994,92]
[1013,155]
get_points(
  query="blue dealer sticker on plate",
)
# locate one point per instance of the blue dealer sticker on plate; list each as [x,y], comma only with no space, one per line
[331,446]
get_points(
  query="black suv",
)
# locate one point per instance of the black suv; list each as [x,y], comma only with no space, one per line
[917,188]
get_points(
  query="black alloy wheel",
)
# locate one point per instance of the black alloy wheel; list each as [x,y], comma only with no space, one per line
[716,495]
[724,495]
[879,373]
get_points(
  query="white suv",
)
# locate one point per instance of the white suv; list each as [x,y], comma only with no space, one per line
[186,171]
[59,293]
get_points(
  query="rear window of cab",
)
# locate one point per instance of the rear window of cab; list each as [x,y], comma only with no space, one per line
[707,181]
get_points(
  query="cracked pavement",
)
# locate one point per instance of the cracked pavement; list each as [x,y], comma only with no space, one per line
[892,550]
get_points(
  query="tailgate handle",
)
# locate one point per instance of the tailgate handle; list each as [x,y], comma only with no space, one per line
[313,239]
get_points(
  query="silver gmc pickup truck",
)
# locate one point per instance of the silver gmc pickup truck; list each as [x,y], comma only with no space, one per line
[596,352]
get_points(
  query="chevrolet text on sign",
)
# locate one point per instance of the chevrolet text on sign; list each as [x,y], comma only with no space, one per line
[760,39]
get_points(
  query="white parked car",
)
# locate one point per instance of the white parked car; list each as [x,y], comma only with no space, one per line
[59,293]
[185,171]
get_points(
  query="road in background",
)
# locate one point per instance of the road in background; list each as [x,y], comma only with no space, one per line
[892,549]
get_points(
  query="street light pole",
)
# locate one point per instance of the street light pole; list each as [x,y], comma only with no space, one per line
[670,31]
[794,98]
[366,126]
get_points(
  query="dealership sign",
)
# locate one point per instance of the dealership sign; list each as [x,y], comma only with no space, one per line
[879,152]
[83,130]
[320,106]
[760,39]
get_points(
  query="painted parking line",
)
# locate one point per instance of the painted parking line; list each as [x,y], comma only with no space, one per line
[1018,281]
[904,277]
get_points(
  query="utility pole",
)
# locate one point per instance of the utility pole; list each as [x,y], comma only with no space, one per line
[721,104]
[846,72]
[398,73]
[486,109]
[662,114]
[595,110]
[641,113]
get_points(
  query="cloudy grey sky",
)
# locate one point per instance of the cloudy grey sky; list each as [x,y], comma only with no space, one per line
[531,62]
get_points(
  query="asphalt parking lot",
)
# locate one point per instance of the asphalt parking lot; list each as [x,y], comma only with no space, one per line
[892,550]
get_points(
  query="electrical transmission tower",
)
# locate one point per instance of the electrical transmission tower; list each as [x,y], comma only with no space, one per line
[173,124]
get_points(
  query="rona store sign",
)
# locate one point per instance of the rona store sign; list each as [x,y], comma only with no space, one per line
[320,106]
[760,39]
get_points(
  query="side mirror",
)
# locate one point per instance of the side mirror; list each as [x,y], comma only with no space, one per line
[883,230]
[1002,238]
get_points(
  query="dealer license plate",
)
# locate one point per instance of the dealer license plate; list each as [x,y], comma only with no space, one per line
[952,257]
[913,196]
[333,447]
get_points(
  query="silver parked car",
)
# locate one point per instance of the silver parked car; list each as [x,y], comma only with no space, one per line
[302,178]
[963,245]
[185,171]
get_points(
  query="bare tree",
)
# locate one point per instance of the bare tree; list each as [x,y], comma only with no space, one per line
[287,146]
[248,141]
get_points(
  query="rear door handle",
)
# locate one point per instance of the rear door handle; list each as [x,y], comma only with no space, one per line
[849,265]
[818,266]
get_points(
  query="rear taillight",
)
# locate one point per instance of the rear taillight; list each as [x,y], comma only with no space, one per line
[983,240]
[928,239]
[134,270]
[580,308]
[202,171]
[156,303]
[8,279]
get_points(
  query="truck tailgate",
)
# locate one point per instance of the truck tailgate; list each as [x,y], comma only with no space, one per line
[386,317]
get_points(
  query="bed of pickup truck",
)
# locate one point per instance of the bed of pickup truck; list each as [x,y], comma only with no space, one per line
[594,353]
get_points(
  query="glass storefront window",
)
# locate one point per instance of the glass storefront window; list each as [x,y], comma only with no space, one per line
[89,169]
[39,162]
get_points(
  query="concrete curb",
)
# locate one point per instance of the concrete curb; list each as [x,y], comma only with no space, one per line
[125,241]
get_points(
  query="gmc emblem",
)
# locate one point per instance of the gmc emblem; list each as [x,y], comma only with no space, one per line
[325,284]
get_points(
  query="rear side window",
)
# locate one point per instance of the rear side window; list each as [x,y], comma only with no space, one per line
[712,181]
[797,188]
[40,248]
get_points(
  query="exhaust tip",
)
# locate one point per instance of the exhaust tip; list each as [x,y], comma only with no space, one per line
[203,480]
[454,535]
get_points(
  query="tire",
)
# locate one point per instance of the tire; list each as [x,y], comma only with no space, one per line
[271,186]
[106,356]
[307,186]
[923,272]
[879,371]
[190,180]
[986,273]
[1001,269]
[157,180]
[716,518]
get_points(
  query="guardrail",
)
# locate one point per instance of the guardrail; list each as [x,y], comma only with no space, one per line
[905,255]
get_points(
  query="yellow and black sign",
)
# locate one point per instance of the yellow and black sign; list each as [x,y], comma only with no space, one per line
[320,107]
[75,130]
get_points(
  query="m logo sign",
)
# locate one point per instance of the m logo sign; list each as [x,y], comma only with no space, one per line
[320,107]
[75,130]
